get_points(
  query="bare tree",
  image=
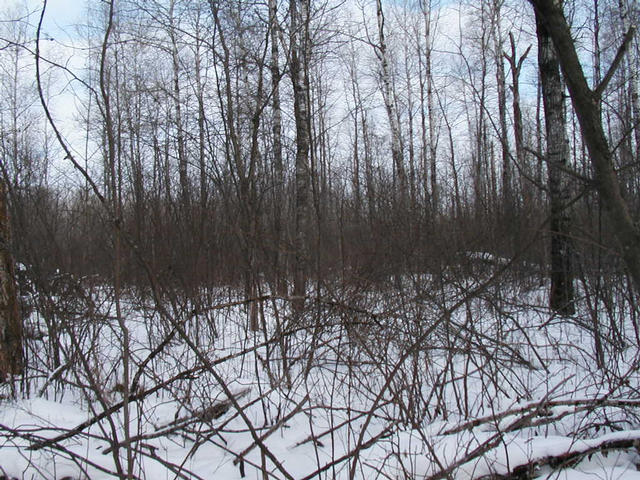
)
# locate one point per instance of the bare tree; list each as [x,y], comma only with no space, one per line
[278,165]
[515,63]
[300,51]
[561,293]
[633,65]
[178,105]
[429,136]
[586,104]
[390,106]
[508,198]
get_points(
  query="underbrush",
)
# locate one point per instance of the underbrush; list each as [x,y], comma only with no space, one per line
[424,379]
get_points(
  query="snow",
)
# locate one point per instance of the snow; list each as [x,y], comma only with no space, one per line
[479,395]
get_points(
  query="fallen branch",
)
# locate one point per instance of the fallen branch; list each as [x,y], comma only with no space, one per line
[275,427]
[206,414]
[542,409]
[316,438]
[212,412]
[577,452]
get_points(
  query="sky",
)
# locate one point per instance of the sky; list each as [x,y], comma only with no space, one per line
[60,17]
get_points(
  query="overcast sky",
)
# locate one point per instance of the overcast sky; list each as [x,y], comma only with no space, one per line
[61,16]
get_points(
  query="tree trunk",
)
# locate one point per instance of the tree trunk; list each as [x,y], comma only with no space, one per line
[299,78]
[10,321]
[278,166]
[561,294]
[433,168]
[180,134]
[515,64]
[390,107]
[410,113]
[202,160]
[508,198]
[632,65]
[427,112]
[586,105]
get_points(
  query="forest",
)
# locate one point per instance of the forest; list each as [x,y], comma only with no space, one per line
[320,239]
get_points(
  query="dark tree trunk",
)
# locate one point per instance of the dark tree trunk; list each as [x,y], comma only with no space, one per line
[516,66]
[586,104]
[561,295]
[10,321]
[179,124]
[508,199]
[300,81]
[278,165]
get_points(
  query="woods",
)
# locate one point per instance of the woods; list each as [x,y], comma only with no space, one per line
[397,238]
[202,151]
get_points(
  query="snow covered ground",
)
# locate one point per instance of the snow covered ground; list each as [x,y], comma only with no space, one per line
[476,381]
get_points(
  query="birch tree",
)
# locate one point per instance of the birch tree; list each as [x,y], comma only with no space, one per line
[390,107]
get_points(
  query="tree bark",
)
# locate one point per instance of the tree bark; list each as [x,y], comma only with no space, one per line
[508,198]
[177,100]
[278,165]
[586,105]
[299,78]
[515,64]
[427,111]
[10,321]
[390,107]
[561,295]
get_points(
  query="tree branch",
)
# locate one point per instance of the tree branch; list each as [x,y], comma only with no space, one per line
[574,454]
[599,90]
